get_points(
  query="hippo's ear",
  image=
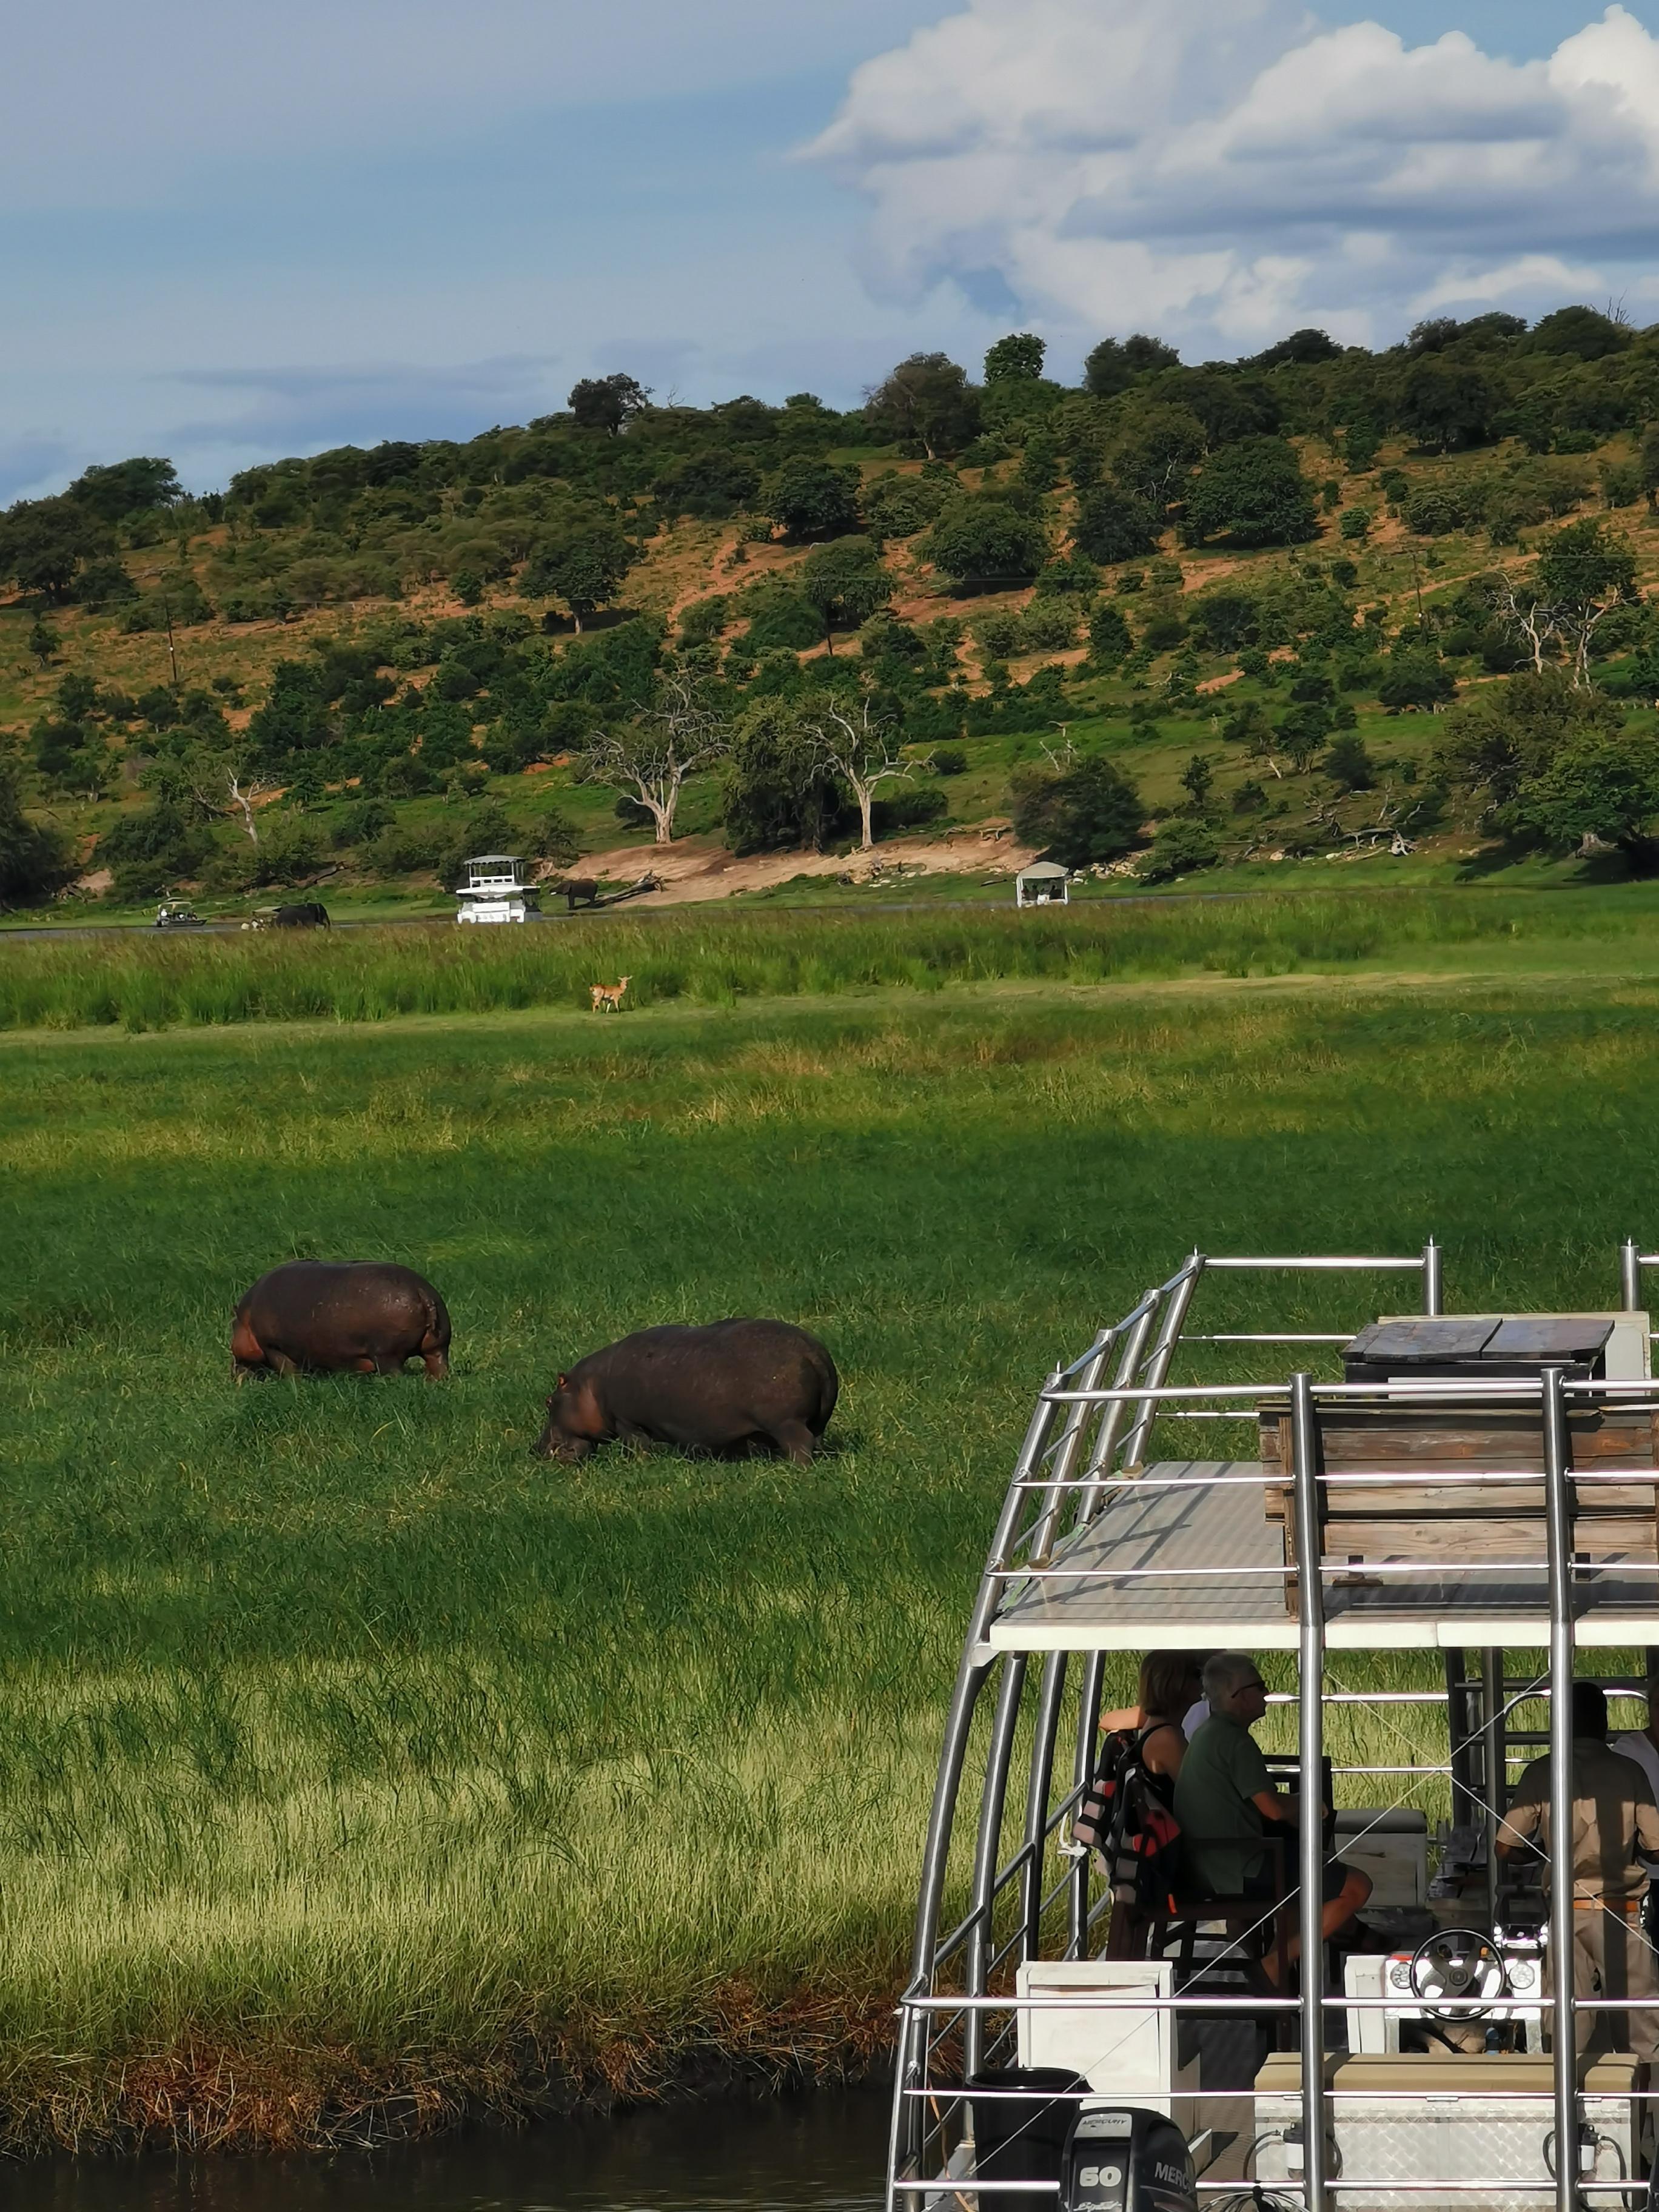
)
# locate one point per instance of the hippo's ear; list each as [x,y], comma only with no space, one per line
[563,1383]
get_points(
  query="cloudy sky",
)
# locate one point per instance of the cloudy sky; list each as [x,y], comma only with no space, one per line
[230,232]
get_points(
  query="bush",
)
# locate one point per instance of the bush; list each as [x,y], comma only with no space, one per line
[781,616]
[984,544]
[898,506]
[906,810]
[364,819]
[1048,626]
[150,850]
[949,760]
[1000,634]
[1179,848]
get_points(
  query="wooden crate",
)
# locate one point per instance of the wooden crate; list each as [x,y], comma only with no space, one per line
[1466,1521]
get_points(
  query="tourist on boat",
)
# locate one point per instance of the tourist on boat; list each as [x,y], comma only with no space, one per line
[1643,1744]
[1225,1800]
[1171,1686]
[1615,1824]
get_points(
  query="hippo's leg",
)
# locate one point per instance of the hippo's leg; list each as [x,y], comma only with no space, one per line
[795,1438]
[436,1363]
[389,1363]
[281,1362]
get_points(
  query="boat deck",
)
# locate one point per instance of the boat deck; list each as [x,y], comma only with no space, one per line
[1186,1556]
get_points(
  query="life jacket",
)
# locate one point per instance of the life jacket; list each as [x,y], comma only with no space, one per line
[1124,1817]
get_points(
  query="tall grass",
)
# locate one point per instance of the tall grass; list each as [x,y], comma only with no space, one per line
[371,975]
[356,1767]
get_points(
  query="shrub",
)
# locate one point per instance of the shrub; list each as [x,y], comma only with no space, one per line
[949,760]
[999,633]
[1108,635]
[906,810]
[365,818]
[1348,763]
[35,857]
[1255,493]
[1048,626]
[1179,848]
[982,543]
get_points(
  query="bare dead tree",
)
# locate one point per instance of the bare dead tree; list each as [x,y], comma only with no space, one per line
[232,788]
[855,742]
[650,757]
[1537,620]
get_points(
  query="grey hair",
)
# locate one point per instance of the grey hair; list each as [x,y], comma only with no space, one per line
[1223,1672]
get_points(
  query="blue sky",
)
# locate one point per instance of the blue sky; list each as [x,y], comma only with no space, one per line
[230,232]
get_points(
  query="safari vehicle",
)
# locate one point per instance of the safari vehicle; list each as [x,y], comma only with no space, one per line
[1471,1495]
[496,887]
[177,913]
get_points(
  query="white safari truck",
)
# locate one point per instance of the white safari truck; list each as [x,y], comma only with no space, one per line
[1433,1520]
[496,887]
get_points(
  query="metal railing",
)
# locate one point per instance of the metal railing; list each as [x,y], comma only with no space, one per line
[1087,1451]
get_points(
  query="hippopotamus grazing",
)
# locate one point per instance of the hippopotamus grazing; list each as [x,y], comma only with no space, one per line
[322,1316]
[716,1389]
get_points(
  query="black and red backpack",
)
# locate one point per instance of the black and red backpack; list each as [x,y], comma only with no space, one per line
[1124,1818]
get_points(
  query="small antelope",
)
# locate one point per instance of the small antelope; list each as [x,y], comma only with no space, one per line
[610,995]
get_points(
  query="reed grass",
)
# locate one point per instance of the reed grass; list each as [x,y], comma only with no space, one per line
[357,1769]
[142,982]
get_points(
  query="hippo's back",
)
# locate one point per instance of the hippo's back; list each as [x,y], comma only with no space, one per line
[323,1313]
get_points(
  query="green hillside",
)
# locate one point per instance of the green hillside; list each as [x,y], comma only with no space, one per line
[1319,601]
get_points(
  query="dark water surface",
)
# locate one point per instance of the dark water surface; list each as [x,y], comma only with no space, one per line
[820,2153]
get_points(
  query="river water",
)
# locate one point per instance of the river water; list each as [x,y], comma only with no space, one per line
[824,2152]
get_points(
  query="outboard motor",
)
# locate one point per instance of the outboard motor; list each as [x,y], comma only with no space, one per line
[1125,2158]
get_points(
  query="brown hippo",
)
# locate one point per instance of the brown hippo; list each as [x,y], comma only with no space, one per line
[322,1315]
[711,1389]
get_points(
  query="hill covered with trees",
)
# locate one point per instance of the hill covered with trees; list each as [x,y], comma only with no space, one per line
[1321,599]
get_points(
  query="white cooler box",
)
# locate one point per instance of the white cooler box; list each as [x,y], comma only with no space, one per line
[1127,2055]
[1448,2118]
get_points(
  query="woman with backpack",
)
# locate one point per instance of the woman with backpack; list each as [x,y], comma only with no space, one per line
[1171,1683]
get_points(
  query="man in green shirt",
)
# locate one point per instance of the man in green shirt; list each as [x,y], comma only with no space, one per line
[1226,1802]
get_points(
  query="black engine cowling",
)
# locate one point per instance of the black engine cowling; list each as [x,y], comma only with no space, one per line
[1124,2159]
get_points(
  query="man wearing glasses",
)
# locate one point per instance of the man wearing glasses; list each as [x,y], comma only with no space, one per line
[1226,1803]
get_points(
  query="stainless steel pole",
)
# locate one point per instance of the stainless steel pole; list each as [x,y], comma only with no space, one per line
[1088,1723]
[1630,1274]
[1049,1700]
[1558,1504]
[1493,1761]
[1431,1297]
[1310,1842]
[1169,1335]
[986,1849]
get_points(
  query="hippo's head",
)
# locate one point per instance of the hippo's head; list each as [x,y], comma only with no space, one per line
[565,1432]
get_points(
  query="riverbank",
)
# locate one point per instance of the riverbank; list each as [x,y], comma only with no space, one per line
[359,1772]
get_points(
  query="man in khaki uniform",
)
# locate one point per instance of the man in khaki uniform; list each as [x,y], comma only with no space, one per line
[1614,1816]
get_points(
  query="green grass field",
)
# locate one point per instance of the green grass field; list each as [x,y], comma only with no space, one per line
[355,1766]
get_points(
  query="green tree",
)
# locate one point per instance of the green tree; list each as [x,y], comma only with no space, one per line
[1602,786]
[1091,812]
[1255,493]
[35,859]
[127,487]
[846,582]
[1197,778]
[1019,355]
[44,541]
[1446,403]
[779,790]
[1648,464]
[811,499]
[1581,332]
[608,402]
[45,642]
[152,850]
[1116,364]
[1110,642]
[926,399]
[582,564]
[1582,573]
[1114,524]
[649,757]
[982,543]
[1348,763]
[1158,454]
[1507,734]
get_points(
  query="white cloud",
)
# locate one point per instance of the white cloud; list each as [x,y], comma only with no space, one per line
[1222,170]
